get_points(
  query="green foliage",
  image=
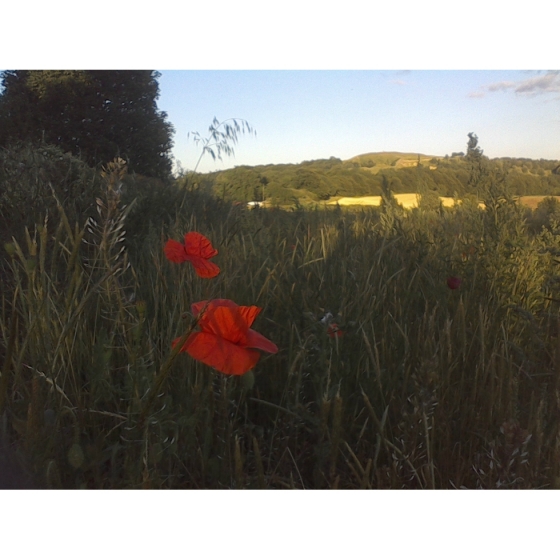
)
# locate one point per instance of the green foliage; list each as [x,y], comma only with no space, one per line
[94,114]
[320,180]
[34,178]
[546,215]
[429,199]
[240,184]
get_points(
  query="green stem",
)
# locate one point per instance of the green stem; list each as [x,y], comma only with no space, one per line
[162,376]
[164,371]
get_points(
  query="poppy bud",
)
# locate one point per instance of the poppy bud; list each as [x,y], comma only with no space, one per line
[10,248]
[334,331]
[453,282]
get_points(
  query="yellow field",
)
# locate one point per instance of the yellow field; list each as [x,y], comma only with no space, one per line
[533,201]
[410,200]
[406,200]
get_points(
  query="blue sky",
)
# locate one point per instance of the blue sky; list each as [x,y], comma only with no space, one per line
[317,82]
[309,114]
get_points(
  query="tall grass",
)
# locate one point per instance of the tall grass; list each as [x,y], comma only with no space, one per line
[426,388]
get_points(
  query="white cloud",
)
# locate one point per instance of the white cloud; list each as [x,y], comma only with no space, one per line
[538,85]
[501,86]
[549,83]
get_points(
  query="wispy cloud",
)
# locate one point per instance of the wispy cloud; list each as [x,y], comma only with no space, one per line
[397,77]
[548,82]
[504,86]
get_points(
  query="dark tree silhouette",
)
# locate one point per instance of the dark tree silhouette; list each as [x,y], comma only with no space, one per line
[95,114]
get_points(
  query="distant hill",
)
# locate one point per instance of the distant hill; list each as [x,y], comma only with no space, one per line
[363,175]
[375,161]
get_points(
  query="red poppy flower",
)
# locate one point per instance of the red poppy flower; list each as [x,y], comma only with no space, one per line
[197,249]
[453,282]
[334,331]
[226,341]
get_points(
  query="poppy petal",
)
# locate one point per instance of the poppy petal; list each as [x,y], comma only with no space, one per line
[185,344]
[225,322]
[204,268]
[334,331]
[197,245]
[221,354]
[257,340]
[175,251]
[225,341]
[249,313]
[197,307]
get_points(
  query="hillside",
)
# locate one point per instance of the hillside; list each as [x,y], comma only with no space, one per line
[377,161]
[363,175]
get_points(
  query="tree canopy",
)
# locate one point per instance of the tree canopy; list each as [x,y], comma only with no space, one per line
[95,114]
[313,181]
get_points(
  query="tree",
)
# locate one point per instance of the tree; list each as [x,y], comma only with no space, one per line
[478,168]
[95,114]
[263,180]
[473,149]
[546,215]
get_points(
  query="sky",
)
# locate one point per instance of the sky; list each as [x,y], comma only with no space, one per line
[316,83]
[303,115]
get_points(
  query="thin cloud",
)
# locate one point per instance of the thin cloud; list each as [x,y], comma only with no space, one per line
[396,77]
[549,83]
[538,85]
[503,86]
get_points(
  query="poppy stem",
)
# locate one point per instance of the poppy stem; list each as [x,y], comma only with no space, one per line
[164,371]
[162,376]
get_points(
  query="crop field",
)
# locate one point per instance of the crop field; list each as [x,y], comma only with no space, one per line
[533,201]
[411,200]
[408,200]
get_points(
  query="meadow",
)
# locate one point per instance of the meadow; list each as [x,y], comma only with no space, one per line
[417,348]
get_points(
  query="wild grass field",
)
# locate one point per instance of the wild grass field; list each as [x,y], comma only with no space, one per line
[416,349]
